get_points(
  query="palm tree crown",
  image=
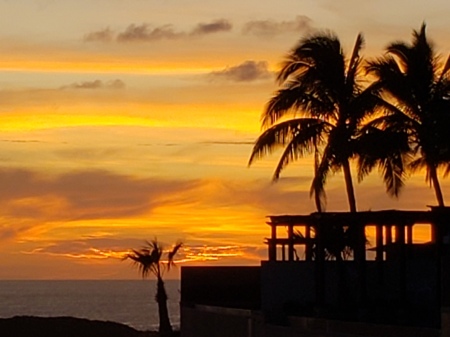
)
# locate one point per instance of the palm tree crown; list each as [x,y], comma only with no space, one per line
[318,110]
[149,258]
[416,92]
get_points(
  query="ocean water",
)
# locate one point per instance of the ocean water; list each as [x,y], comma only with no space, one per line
[128,302]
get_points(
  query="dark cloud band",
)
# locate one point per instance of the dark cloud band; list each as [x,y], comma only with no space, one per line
[247,71]
[147,33]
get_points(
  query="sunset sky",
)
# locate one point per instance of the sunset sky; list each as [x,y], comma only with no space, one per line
[122,120]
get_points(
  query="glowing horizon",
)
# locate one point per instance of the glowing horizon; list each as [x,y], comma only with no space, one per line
[139,123]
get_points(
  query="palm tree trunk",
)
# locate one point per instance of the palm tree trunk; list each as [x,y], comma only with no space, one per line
[165,328]
[436,185]
[349,186]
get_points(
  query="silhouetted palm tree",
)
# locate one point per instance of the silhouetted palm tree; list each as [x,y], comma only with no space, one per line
[338,242]
[318,110]
[416,91]
[149,260]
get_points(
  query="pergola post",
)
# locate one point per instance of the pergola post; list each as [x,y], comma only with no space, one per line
[401,251]
[320,267]
[409,234]
[308,244]
[379,242]
[291,242]
[388,244]
[272,243]
[360,259]
[379,258]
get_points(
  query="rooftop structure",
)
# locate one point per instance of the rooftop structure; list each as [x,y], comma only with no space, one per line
[323,267]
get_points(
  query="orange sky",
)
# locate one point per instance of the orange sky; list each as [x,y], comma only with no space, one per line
[138,122]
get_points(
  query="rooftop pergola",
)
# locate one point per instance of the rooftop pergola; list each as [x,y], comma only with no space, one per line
[438,218]
[395,243]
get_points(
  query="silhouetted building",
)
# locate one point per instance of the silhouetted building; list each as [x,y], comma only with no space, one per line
[323,276]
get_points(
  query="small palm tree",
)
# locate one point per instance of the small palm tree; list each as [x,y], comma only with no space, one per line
[149,260]
[319,110]
[415,87]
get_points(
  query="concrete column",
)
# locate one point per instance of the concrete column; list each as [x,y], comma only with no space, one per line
[379,253]
[409,234]
[401,251]
[308,245]
[291,243]
[379,242]
[319,269]
[388,242]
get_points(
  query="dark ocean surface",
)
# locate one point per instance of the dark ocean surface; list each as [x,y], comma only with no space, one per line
[127,302]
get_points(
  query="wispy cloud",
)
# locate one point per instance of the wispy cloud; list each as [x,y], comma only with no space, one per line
[97,248]
[113,248]
[82,195]
[96,84]
[36,201]
[221,25]
[247,71]
[105,35]
[20,141]
[218,142]
[146,32]
[266,28]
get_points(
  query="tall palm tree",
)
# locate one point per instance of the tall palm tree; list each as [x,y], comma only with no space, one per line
[318,110]
[415,87]
[149,260]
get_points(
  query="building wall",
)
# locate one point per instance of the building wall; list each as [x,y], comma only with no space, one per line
[234,287]
[208,321]
[288,288]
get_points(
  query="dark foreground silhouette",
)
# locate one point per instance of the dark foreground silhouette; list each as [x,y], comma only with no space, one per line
[26,326]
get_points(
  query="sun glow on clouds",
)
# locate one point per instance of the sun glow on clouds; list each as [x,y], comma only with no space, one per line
[206,253]
[187,254]
[126,126]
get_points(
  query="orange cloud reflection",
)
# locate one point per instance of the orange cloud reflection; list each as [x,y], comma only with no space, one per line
[211,253]
[187,254]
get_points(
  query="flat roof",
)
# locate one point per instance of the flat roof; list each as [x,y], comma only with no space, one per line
[383,217]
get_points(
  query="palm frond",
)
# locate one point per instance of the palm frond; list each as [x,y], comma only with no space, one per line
[148,258]
[445,70]
[417,164]
[144,261]
[364,105]
[403,52]
[303,142]
[283,133]
[353,65]
[278,135]
[172,253]
[447,169]
[386,149]
[292,66]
